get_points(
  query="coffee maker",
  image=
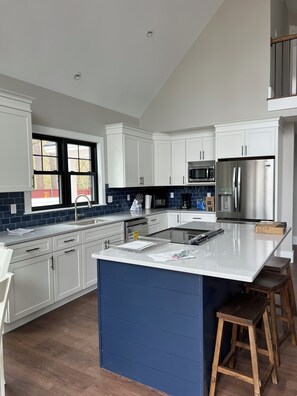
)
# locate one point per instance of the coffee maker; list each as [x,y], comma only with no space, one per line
[186,201]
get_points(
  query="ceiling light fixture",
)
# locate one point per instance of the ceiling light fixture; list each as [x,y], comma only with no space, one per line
[77,76]
[149,33]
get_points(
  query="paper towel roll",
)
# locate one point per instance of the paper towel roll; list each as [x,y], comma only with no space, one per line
[148,201]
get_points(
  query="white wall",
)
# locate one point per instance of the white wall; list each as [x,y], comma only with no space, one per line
[224,76]
[286,185]
[279,17]
[56,110]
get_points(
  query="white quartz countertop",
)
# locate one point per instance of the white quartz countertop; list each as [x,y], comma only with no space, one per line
[238,254]
[46,231]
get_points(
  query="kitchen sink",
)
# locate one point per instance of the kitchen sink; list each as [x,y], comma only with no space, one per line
[87,222]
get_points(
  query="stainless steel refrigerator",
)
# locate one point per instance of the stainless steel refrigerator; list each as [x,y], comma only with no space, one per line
[245,189]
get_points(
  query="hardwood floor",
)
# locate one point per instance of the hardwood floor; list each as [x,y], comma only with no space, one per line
[57,354]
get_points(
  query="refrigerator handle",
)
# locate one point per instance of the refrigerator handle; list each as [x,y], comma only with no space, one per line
[239,188]
[234,188]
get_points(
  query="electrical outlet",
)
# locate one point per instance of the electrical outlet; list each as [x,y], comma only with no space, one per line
[128,197]
[109,199]
[13,209]
[172,195]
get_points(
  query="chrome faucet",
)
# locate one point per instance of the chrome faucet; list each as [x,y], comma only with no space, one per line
[75,205]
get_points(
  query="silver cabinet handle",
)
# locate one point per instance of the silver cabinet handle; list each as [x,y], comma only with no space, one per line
[169,179]
[183,179]
[32,250]
[196,218]
[177,218]
[200,154]
[69,240]
[69,251]
[106,244]
[203,154]
[241,150]
[245,149]
[153,220]
[141,180]
[52,264]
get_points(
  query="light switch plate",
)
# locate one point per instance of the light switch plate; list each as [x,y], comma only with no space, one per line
[13,209]
[109,199]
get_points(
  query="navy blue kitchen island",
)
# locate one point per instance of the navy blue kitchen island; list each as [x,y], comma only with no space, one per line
[157,321]
[158,327]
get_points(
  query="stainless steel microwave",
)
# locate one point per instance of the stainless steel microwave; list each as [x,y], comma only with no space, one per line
[201,171]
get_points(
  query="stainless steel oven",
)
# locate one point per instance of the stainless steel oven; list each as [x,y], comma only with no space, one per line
[201,171]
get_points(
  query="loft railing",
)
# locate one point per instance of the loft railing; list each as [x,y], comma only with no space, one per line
[283,80]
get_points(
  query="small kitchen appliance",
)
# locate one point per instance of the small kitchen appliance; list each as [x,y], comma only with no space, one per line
[186,201]
[201,171]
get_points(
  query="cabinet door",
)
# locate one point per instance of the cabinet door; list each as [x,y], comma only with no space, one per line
[16,150]
[32,286]
[131,161]
[173,219]
[178,167]
[89,263]
[163,221]
[162,162]
[194,149]
[67,272]
[259,142]
[145,160]
[230,144]
[208,153]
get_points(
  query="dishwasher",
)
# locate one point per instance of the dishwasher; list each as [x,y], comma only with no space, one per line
[136,227]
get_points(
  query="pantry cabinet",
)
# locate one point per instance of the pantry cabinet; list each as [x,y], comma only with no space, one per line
[178,162]
[251,139]
[16,169]
[129,156]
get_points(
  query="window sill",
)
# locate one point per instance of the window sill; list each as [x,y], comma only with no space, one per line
[59,209]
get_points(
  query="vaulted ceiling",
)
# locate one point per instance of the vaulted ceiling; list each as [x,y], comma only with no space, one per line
[45,42]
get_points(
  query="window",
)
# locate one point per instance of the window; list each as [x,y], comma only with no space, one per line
[63,169]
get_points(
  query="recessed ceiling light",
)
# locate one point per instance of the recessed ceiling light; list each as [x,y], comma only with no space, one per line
[77,76]
[149,33]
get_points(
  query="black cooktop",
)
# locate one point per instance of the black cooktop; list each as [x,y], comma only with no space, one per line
[186,236]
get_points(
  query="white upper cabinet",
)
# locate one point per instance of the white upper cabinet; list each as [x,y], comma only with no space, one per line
[129,156]
[200,148]
[169,161]
[16,169]
[178,162]
[162,162]
[250,139]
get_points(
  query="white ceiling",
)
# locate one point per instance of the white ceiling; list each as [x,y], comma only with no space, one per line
[45,42]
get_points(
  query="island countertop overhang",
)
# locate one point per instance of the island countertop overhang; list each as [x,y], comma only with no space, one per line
[237,254]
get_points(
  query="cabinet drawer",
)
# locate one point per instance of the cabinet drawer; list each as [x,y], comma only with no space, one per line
[152,220]
[188,217]
[26,250]
[103,232]
[66,240]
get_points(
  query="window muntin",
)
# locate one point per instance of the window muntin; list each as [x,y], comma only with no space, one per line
[63,169]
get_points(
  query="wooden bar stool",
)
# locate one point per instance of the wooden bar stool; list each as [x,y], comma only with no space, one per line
[244,310]
[281,265]
[270,284]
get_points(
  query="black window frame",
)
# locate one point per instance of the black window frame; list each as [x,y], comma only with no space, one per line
[63,172]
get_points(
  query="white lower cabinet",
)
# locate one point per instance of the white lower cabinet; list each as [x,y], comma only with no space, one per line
[94,240]
[173,219]
[32,287]
[67,272]
[189,217]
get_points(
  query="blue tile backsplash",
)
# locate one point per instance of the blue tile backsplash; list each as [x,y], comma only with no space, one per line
[119,204]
